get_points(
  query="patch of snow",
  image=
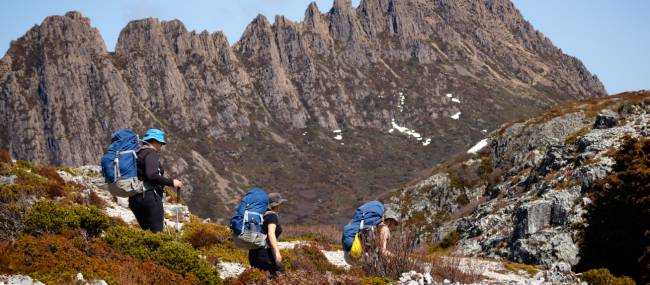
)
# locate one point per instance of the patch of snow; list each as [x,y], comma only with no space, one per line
[412,133]
[456,100]
[304,134]
[480,145]
[484,131]
[336,131]
[336,258]
[400,104]
[338,137]
[230,269]
[456,116]
[404,130]
[449,95]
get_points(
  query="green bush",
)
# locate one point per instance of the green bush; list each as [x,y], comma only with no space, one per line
[450,240]
[92,219]
[604,277]
[57,258]
[33,181]
[618,219]
[202,235]
[163,249]
[375,281]
[48,217]
[462,199]
[307,258]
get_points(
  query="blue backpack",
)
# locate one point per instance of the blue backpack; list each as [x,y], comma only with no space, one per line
[368,215]
[246,223]
[119,164]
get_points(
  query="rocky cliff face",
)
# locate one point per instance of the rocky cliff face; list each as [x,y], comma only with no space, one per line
[522,197]
[407,83]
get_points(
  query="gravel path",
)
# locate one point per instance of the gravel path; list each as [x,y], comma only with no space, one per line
[230,269]
[336,258]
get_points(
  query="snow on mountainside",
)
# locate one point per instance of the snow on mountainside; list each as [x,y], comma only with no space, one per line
[521,194]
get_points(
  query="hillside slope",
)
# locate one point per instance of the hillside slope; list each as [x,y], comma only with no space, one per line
[353,101]
[524,195]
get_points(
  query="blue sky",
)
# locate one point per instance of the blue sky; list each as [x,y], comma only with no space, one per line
[611,37]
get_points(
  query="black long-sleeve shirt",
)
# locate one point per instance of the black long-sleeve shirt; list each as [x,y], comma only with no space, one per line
[150,169]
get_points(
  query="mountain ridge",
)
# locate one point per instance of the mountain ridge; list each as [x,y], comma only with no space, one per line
[262,111]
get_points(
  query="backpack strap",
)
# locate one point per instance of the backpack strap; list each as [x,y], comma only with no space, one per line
[116,162]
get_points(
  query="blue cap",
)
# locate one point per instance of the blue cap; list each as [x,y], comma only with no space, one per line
[155,134]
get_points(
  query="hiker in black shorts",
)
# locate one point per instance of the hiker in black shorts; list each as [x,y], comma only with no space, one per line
[148,206]
[268,258]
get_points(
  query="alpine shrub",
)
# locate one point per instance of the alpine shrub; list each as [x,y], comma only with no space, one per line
[57,259]
[604,277]
[91,219]
[48,217]
[618,220]
[164,250]
[200,234]
[308,258]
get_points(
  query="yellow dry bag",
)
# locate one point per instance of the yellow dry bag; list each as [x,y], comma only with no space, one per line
[355,251]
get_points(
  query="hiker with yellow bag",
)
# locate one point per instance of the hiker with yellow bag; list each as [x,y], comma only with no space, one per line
[366,236]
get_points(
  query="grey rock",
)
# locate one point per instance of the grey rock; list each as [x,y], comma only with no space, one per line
[561,267]
[554,159]
[605,120]
[531,218]
[589,173]
[19,280]
[7,180]
[546,248]
[561,205]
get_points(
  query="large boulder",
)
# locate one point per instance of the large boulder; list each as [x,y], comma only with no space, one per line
[531,218]
[606,119]
[546,248]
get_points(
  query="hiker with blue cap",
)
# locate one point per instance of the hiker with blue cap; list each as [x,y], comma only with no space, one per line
[148,206]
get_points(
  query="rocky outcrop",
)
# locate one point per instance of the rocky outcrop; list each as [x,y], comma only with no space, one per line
[261,112]
[532,211]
